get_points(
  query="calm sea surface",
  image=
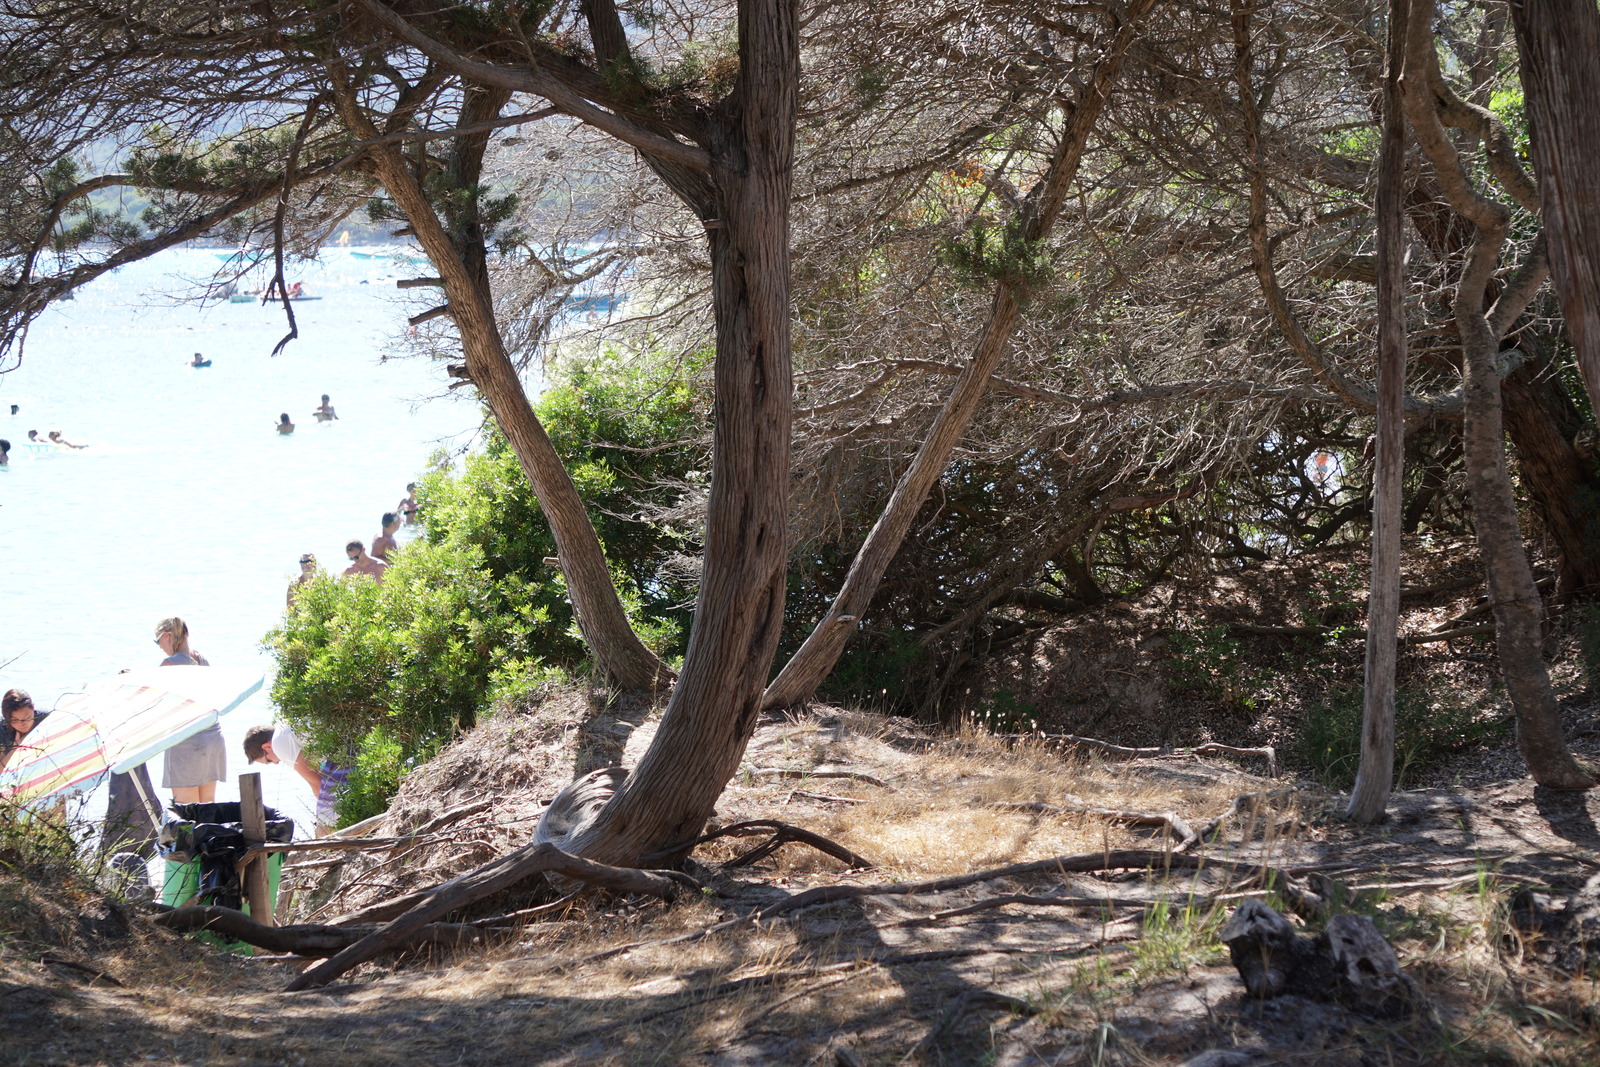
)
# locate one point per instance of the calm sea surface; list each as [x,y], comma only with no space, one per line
[187,502]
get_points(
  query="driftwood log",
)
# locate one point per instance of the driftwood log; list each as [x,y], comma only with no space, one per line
[1349,962]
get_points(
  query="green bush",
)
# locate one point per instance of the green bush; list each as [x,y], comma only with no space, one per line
[380,677]
[1427,728]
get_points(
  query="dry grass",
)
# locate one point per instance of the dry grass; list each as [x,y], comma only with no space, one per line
[868,980]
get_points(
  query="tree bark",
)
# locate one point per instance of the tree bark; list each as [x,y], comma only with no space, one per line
[1518,609]
[1558,42]
[815,658]
[1562,483]
[1370,795]
[713,709]
[460,260]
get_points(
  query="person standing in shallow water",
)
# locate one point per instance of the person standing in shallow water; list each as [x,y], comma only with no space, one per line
[308,571]
[193,767]
[385,543]
[285,427]
[361,563]
[324,411]
[408,504]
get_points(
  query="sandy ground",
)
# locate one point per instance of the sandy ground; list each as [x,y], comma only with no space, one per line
[878,979]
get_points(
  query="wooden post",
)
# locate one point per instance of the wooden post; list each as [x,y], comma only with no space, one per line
[253,820]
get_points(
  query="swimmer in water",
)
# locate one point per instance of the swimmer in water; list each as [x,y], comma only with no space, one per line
[325,413]
[285,427]
[408,504]
[57,439]
[198,360]
[361,563]
[5,452]
[385,543]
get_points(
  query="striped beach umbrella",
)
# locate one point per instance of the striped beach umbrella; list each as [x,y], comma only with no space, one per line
[118,723]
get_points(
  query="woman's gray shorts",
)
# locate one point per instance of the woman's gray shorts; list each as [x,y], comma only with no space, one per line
[200,759]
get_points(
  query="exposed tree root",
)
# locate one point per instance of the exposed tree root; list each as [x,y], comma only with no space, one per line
[473,886]
[783,833]
[309,940]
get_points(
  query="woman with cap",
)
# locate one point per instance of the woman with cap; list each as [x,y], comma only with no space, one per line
[193,767]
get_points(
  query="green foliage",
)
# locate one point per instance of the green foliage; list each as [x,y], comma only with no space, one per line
[1209,662]
[380,762]
[470,616]
[986,254]
[1430,724]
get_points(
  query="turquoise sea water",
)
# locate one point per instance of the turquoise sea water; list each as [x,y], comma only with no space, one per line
[187,502]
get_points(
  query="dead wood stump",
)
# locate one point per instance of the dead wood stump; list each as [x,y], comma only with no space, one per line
[1349,962]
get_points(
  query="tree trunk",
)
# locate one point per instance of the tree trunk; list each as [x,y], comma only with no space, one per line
[1370,796]
[1518,609]
[713,709]
[601,618]
[815,658]
[1559,42]
[1562,483]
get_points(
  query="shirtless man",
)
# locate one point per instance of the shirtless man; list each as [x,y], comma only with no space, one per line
[408,504]
[57,439]
[385,543]
[325,413]
[308,571]
[285,427]
[361,563]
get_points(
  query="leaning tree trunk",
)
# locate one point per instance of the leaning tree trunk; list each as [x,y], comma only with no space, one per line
[1562,482]
[813,661]
[601,618]
[1559,44]
[1518,610]
[1370,796]
[739,613]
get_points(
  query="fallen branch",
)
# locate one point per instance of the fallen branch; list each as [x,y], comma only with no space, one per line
[824,797]
[485,881]
[1168,820]
[1240,802]
[529,913]
[94,974]
[453,815]
[971,1000]
[1081,863]
[308,940]
[783,833]
[789,772]
[1075,903]
[1210,748]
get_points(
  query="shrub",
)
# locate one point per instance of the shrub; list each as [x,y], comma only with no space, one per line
[1428,727]
[380,677]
